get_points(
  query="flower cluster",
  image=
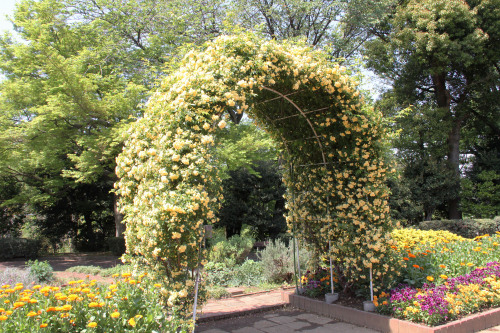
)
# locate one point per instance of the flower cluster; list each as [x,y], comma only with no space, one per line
[408,238]
[169,183]
[317,283]
[130,304]
[434,304]
[438,259]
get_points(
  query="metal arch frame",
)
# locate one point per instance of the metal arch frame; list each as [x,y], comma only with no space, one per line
[305,117]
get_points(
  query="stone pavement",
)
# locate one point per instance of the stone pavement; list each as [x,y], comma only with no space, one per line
[279,321]
[244,304]
[265,312]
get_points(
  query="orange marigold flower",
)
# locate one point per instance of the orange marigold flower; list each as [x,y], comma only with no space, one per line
[442,266]
[406,259]
[31,314]
[430,278]
[66,307]
[3,317]
[411,255]
[44,325]
[444,277]
[416,266]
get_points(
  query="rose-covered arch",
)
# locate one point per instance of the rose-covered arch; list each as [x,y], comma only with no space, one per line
[169,184]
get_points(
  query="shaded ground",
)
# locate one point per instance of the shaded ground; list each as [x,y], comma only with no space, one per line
[279,321]
[61,262]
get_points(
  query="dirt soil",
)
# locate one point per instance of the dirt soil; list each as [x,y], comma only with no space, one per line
[61,262]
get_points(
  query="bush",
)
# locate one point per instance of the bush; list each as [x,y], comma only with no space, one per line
[468,228]
[11,276]
[277,261]
[41,270]
[250,273]
[18,248]
[232,251]
[92,270]
[217,292]
[217,274]
[117,245]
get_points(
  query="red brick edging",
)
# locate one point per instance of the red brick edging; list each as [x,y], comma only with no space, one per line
[473,323]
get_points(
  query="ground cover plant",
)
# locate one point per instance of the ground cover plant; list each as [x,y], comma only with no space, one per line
[129,304]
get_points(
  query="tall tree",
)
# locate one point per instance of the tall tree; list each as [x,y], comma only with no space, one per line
[341,25]
[64,103]
[445,52]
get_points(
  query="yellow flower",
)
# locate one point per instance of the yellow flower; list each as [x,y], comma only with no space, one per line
[44,325]
[3,317]
[132,322]
[115,314]
[444,277]
[182,248]
[92,324]
[430,278]
[66,307]
[31,314]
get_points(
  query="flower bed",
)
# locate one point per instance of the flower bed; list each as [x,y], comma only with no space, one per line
[130,304]
[435,304]
[384,323]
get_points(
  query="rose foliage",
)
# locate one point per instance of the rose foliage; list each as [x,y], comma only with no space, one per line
[169,183]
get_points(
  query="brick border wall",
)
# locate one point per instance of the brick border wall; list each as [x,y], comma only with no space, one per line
[473,323]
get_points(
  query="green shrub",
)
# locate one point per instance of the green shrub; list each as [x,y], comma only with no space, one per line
[92,270]
[116,245]
[217,292]
[467,228]
[118,269]
[277,261]
[41,270]
[18,248]
[232,251]
[217,274]
[250,273]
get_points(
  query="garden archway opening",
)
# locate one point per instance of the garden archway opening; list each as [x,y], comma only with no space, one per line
[169,183]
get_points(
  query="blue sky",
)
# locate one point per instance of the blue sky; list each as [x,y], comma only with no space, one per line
[6,8]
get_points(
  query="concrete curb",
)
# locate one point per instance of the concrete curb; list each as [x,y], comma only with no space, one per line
[219,316]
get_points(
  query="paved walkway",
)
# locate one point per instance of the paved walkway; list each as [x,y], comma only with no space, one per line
[265,312]
[238,305]
[280,321]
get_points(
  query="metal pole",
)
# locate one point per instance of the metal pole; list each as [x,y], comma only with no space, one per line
[298,259]
[371,285]
[293,236]
[196,282]
[331,266]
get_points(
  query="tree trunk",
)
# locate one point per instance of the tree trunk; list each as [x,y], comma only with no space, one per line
[443,100]
[119,225]
[454,212]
